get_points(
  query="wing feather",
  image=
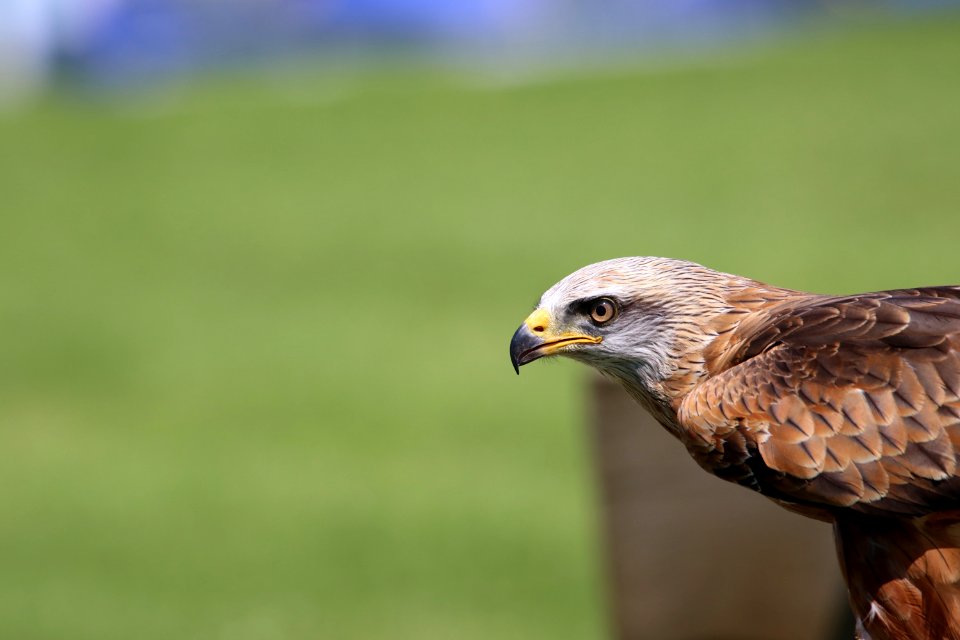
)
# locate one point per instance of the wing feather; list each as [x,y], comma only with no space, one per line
[841,402]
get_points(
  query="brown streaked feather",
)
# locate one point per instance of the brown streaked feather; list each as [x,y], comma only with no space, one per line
[908,586]
[849,409]
[813,399]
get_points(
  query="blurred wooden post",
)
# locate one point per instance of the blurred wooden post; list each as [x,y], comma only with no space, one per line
[690,557]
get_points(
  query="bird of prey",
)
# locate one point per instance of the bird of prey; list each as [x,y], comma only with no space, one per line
[841,408]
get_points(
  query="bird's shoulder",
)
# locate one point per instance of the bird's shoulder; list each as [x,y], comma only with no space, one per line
[849,401]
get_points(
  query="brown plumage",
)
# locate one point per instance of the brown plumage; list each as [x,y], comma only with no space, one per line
[846,409]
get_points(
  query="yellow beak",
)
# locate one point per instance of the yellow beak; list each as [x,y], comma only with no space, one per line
[535,339]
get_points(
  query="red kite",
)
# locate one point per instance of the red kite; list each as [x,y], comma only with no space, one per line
[841,408]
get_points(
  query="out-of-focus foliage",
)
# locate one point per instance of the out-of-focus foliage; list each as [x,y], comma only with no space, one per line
[253,373]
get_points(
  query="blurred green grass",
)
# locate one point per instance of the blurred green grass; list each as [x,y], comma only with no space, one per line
[254,378]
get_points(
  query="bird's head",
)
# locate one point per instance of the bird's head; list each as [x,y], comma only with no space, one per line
[641,320]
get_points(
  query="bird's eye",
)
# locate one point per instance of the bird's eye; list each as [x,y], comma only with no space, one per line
[603,310]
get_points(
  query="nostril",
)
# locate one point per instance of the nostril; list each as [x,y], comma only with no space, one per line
[538,329]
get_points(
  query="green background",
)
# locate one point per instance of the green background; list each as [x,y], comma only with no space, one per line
[253,371]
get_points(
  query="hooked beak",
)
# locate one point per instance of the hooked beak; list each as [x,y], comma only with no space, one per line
[534,340]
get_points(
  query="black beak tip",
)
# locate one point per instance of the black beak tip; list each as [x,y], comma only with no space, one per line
[520,347]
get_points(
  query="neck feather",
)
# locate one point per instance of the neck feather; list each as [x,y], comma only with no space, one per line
[696,344]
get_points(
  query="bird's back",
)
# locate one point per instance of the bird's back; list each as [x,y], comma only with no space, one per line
[847,402]
[848,409]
